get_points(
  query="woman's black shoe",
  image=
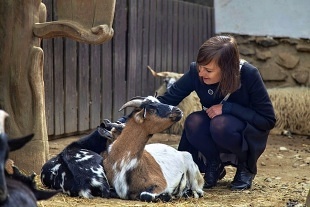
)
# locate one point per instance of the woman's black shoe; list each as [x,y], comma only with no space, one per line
[214,171]
[243,178]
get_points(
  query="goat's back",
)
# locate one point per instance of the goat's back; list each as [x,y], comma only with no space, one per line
[177,165]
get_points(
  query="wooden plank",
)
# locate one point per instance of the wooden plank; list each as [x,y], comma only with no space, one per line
[152,44]
[211,22]
[49,84]
[192,48]
[59,85]
[119,58]
[175,36]
[132,86]
[180,37]
[140,69]
[186,37]
[158,38]
[83,87]
[106,77]
[47,45]
[146,75]
[201,21]
[205,23]
[70,86]
[95,86]
[197,42]
[170,38]
[164,36]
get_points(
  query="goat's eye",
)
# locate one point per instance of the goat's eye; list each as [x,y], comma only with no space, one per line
[151,111]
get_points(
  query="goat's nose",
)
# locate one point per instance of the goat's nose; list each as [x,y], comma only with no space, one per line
[177,110]
[177,113]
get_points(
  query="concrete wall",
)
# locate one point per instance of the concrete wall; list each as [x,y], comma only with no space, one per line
[279,18]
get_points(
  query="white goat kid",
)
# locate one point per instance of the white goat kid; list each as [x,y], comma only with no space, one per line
[150,172]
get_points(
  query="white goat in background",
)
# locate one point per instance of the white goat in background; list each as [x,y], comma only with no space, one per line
[188,105]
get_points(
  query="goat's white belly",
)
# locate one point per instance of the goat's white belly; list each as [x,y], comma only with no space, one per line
[172,164]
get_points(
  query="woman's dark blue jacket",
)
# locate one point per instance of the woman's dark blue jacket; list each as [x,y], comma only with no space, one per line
[250,103]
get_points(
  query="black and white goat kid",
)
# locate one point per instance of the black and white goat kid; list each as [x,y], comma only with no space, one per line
[78,169]
[150,172]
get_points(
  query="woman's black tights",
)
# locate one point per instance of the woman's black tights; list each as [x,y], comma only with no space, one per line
[211,136]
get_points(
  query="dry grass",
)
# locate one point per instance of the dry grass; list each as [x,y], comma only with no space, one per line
[283,176]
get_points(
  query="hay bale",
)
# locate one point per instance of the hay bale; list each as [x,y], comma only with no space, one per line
[308,199]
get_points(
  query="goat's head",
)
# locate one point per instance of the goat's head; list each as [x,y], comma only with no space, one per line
[7,145]
[15,178]
[3,158]
[154,116]
[116,128]
[169,79]
[4,151]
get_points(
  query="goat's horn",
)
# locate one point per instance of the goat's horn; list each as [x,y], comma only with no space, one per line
[137,97]
[115,125]
[3,115]
[160,74]
[132,103]
[152,71]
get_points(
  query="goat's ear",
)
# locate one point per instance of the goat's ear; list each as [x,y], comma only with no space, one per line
[18,143]
[44,194]
[139,117]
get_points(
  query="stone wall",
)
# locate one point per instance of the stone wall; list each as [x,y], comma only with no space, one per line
[282,62]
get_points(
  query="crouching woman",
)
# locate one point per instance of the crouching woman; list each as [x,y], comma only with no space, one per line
[237,115]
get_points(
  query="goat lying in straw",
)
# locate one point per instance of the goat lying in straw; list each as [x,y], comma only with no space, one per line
[78,169]
[150,172]
[16,189]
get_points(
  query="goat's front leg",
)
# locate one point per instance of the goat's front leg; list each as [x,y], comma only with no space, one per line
[155,190]
[150,196]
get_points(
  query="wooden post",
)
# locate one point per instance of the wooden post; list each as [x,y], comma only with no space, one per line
[21,79]
[22,24]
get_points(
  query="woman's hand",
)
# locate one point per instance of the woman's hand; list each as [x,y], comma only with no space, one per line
[214,110]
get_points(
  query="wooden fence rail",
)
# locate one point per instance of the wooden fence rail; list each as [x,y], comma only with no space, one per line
[85,84]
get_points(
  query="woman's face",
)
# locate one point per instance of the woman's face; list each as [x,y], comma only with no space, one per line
[210,73]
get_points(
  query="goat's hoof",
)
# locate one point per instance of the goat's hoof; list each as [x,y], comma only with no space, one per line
[145,196]
[165,197]
[188,193]
[198,194]
[113,193]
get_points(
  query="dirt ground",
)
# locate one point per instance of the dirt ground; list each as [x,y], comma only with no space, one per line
[283,179]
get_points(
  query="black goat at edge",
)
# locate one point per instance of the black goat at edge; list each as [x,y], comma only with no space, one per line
[17,189]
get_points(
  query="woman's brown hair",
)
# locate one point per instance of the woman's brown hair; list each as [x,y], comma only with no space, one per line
[224,51]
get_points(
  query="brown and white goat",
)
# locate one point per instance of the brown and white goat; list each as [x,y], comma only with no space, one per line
[156,171]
